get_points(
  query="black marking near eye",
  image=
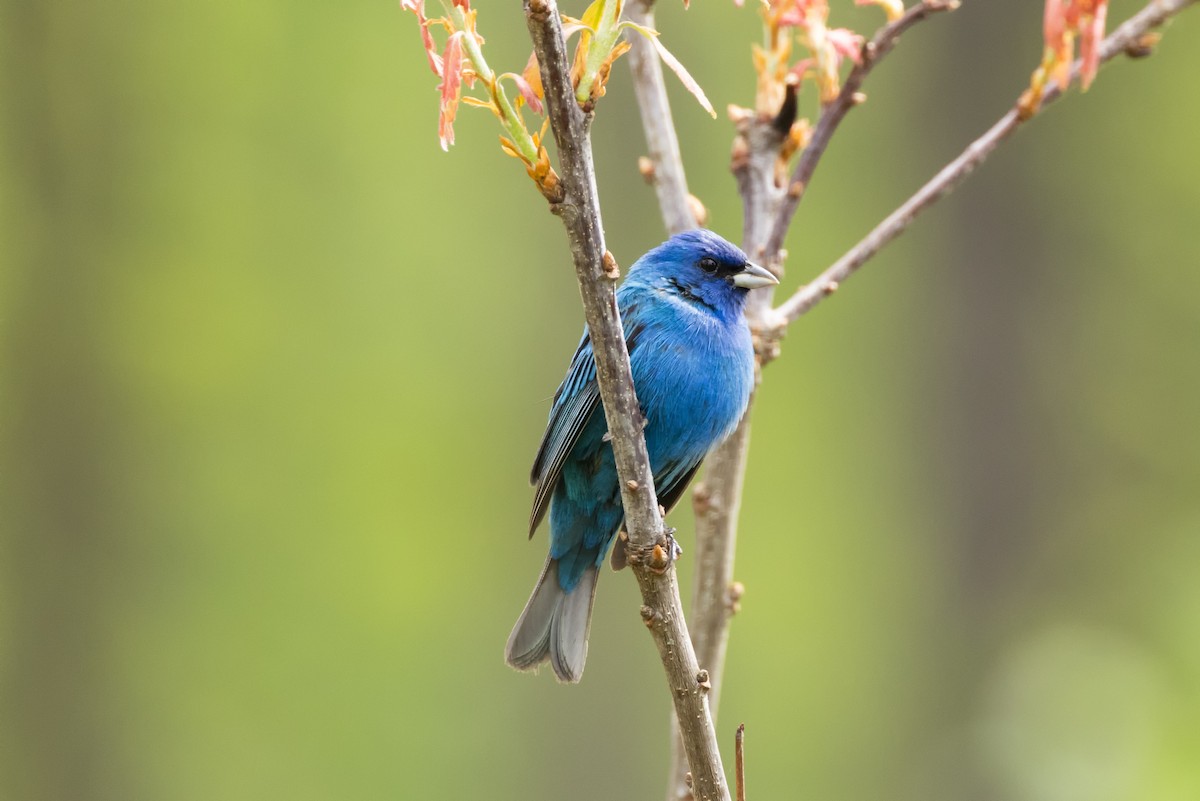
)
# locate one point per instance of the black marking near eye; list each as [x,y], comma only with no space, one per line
[722,268]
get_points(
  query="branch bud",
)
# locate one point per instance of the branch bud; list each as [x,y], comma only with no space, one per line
[611,271]
[646,169]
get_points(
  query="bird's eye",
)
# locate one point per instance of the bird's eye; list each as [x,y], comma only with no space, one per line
[708,264]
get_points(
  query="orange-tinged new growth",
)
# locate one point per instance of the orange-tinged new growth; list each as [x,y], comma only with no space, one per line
[462,66]
[533,76]
[600,45]
[807,22]
[1093,15]
[597,88]
[1064,20]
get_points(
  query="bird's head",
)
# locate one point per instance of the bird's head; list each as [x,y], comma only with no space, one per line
[703,268]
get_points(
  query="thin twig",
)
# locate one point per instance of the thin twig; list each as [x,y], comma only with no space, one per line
[662,141]
[597,272]
[1128,38]
[739,756]
[833,113]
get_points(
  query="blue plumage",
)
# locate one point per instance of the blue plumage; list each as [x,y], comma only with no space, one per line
[693,369]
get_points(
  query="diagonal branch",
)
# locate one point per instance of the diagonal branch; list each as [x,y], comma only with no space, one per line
[597,272]
[833,113]
[662,141]
[1129,38]
[579,210]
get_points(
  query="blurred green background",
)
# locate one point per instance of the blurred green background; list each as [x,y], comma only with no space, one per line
[273,368]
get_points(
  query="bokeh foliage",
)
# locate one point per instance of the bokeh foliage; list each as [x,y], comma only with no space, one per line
[273,366]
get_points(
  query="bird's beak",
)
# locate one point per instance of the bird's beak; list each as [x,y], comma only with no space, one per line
[753,276]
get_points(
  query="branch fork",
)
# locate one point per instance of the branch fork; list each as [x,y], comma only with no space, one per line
[769,203]
[1137,34]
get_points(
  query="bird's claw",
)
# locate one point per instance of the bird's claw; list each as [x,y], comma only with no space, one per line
[665,553]
[676,548]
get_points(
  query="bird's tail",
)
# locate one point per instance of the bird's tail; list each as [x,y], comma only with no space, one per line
[554,625]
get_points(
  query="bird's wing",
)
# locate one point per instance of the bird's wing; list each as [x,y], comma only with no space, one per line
[673,485]
[575,402]
[577,399]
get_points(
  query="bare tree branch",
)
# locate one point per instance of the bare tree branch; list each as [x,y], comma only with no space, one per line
[717,499]
[753,163]
[648,550]
[663,614]
[662,142]
[716,595]
[833,113]
[1128,38]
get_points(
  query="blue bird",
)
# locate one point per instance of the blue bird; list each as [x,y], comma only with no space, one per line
[693,370]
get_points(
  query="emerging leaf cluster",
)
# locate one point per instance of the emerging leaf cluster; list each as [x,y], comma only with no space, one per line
[460,63]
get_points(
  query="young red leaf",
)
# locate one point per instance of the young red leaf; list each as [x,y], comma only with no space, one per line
[527,91]
[846,43]
[450,89]
[418,7]
[1064,19]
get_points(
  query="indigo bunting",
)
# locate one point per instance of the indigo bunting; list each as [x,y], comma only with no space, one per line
[693,370]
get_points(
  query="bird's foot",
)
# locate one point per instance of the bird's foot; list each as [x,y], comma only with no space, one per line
[658,557]
[665,552]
